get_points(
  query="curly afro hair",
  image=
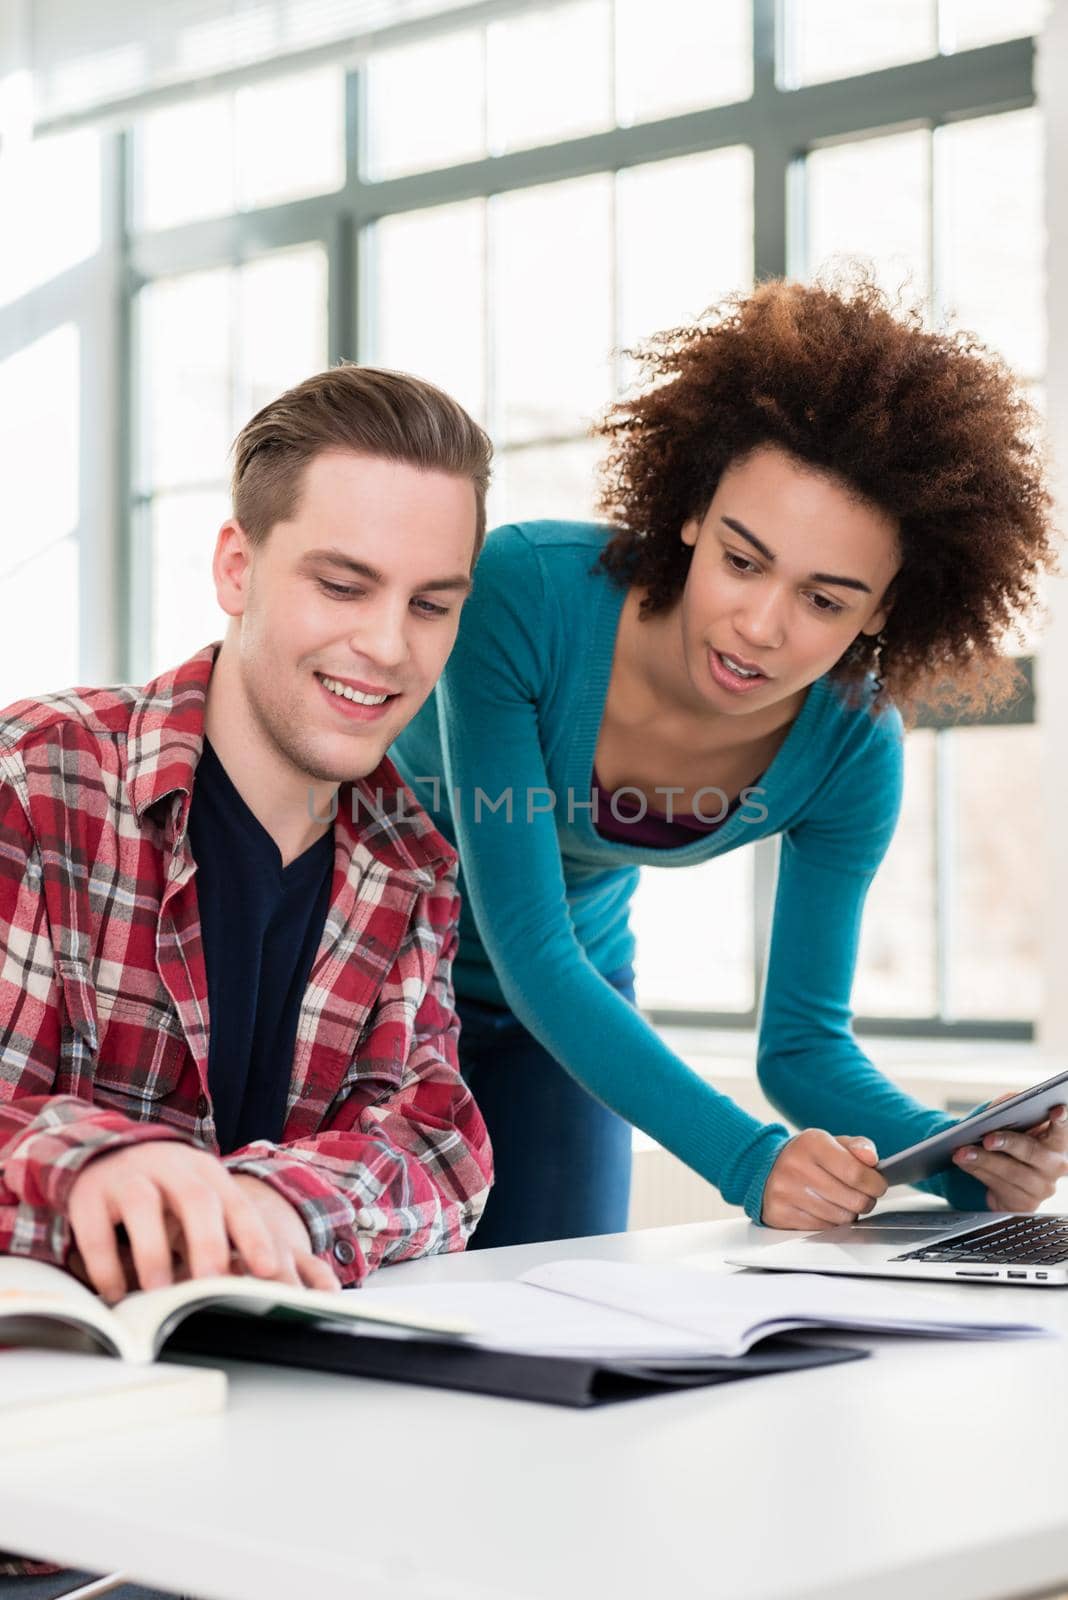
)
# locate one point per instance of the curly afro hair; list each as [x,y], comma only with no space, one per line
[929,427]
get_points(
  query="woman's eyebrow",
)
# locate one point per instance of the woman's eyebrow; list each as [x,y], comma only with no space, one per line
[769,555]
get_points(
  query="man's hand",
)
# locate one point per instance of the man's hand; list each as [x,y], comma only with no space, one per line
[289,1236]
[166,1196]
[1020,1170]
[819,1181]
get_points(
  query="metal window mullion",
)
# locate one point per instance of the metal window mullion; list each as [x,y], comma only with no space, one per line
[235,296]
[615,284]
[995,1029]
[765,879]
[489,313]
[946,871]
[219,241]
[135,574]
[613,60]
[774,122]
[357,276]
[935,265]
[344,298]
[99,314]
[356,126]
[771,159]
[615,289]
[770,145]
[353,47]
[785,44]
[201,486]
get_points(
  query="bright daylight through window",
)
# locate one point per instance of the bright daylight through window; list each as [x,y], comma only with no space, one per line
[262,230]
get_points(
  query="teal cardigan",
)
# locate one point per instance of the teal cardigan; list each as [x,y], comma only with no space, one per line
[502,756]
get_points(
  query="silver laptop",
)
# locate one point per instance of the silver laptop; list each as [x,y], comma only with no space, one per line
[982,1246]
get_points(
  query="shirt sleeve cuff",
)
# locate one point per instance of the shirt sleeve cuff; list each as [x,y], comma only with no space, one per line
[754,1193]
[42,1167]
[328,1214]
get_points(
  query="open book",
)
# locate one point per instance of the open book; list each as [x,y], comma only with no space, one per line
[37,1299]
[586,1333]
[628,1311]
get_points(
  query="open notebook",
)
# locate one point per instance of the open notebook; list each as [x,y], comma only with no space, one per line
[628,1310]
[584,1332]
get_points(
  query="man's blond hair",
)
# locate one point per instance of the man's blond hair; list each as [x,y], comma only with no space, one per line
[369,410]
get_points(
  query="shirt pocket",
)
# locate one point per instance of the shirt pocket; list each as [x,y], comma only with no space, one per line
[81,1032]
[373,1071]
[142,1056]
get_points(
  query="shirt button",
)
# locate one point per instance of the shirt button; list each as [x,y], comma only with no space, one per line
[345,1252]
[202,1105]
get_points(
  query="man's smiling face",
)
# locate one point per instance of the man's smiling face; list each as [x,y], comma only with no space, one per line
[346,613]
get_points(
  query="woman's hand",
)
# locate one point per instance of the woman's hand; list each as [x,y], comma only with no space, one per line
[819,1181]
[1020,1170]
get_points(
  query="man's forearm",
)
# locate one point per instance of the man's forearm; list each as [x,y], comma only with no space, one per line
[368,1196]
[46,1141]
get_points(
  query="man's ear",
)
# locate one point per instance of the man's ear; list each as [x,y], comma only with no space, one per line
[231,568]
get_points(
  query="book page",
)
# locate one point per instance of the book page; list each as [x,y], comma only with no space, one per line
[32,1292]
[731,1311]
[520,1317]
[147,1317]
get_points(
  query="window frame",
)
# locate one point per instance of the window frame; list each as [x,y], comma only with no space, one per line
[778,123]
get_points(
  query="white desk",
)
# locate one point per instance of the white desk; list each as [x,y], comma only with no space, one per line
[930,1470]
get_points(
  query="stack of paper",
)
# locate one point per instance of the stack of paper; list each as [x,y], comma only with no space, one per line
[613,1310]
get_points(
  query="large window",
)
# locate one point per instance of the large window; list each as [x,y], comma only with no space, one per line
[538,293]
[508,208]
[226,350]
[50,201]
[39,400]
[951,218]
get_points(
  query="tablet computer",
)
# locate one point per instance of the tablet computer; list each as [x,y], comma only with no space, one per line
[932,1155]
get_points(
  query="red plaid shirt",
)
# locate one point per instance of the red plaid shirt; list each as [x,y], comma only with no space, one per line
[104,1002]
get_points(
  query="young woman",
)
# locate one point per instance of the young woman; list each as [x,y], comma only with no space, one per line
[821,514]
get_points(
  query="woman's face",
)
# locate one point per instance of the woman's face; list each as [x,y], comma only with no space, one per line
[788,568]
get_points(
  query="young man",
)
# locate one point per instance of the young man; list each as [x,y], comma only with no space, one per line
[227,1033]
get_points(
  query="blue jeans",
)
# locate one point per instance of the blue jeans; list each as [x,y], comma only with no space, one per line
[562,1159]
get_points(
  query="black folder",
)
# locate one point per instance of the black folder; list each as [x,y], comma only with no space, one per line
[455,1364]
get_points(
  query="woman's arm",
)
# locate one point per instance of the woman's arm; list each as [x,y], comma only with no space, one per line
[491,696]
[809,1064]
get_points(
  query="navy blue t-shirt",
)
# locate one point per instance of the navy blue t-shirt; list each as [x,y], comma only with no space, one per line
[261,924]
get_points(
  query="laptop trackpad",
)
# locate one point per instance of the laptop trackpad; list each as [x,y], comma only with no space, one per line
[917,1221]
[852,1234]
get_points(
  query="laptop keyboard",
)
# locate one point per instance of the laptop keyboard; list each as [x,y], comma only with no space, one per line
[1031,1240]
